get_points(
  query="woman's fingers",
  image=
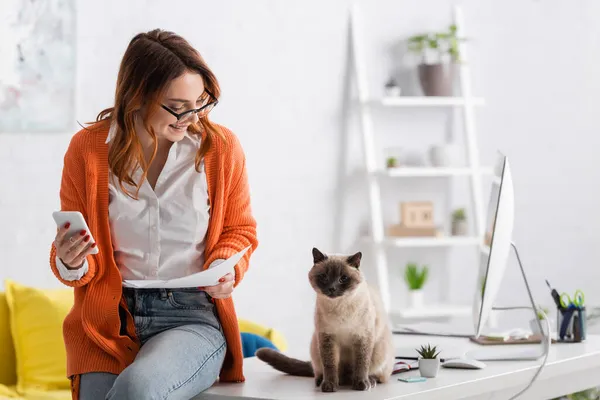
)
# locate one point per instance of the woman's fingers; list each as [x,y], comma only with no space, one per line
[222,290]
[80,245]
[83,253]
[226,278]
[72,248]
[61,234]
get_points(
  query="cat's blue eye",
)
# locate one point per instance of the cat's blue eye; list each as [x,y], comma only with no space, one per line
[344,278]
[322,277]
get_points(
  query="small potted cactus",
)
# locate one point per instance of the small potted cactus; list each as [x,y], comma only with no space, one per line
[415,278]
[459,222]
[429,363]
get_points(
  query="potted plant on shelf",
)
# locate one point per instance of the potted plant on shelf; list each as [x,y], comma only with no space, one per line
[415,278]
[439,52]
[391,162]
[391,88]
[459,222]
[429,363]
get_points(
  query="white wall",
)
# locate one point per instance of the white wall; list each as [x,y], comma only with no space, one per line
[281,66]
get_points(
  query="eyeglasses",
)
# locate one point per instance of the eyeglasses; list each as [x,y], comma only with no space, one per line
[202,111]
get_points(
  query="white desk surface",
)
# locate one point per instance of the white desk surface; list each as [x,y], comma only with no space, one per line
[570,368]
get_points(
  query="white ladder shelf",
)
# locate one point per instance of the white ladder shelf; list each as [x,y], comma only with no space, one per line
[375,172]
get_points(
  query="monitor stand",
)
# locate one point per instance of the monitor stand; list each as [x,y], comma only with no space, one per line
[514,352]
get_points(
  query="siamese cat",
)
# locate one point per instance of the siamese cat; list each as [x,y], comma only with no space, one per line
[352,342]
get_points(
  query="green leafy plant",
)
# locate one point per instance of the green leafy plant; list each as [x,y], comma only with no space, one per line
[440,43]
[428,352]
[391,162]
[459,214]
[414,276]
[589,394]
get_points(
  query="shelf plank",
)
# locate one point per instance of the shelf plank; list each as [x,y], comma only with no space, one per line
[433,311]
[424,101]
[417,172]
[443,241]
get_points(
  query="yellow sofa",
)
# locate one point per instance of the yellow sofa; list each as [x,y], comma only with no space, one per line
[8,364]
[8,374]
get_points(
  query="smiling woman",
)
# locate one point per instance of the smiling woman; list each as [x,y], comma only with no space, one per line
[165,194]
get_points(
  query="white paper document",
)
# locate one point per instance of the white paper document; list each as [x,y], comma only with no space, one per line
[208,277]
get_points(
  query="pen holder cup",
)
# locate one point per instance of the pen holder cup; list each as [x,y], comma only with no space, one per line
[571,324]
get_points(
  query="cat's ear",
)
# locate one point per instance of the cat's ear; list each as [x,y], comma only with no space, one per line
[318,256]
[354,260]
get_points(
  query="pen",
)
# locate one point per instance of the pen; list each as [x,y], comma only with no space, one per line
[415,358]
[554,295]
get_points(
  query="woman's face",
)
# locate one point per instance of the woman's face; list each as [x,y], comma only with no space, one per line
[183,93]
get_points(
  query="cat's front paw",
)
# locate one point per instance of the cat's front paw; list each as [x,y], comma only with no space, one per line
[329,386]
[372,381]
[361,384]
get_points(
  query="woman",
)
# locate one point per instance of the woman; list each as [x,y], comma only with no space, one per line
[165,194]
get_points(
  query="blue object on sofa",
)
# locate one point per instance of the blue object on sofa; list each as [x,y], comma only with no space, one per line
[252,342]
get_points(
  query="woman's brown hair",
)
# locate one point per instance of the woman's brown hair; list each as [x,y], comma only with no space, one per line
[152,60]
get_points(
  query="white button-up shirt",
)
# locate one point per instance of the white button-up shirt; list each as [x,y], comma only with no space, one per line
[160,235]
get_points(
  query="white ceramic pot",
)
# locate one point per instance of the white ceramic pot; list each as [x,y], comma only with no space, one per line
[415,298]
[460,228]
[443,155]
[392,91]
[429,367]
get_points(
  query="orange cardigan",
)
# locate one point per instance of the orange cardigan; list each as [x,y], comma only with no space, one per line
[92,330]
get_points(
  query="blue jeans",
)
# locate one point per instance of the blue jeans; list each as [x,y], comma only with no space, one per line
[182,351]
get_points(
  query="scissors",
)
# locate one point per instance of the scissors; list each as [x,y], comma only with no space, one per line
[577,300]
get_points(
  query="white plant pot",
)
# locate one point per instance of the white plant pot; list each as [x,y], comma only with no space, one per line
[415,298]
[460,228]
[429,367]
[393,91]
[443,155]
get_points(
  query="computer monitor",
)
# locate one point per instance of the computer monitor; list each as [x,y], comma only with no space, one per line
[497,241]
[495,252]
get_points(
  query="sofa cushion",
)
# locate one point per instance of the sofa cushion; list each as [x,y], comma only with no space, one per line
[8,392]
[36,317]
[8,375]
[32,394]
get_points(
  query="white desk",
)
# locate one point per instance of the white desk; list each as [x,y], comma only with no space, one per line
[570,368]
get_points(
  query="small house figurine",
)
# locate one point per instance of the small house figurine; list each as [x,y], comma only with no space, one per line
[417,214]
[391,88]
[416,219]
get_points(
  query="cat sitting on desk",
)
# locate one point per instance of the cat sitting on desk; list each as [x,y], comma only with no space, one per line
[352,342]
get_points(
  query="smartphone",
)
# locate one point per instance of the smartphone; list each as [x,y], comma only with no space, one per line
[413,379]
[75,218]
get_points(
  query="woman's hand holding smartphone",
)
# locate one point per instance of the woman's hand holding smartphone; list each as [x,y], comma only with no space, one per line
[73,240]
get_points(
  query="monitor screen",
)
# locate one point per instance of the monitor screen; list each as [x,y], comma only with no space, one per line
[488,247]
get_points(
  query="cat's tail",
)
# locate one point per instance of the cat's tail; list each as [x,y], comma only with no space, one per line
[286,364]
